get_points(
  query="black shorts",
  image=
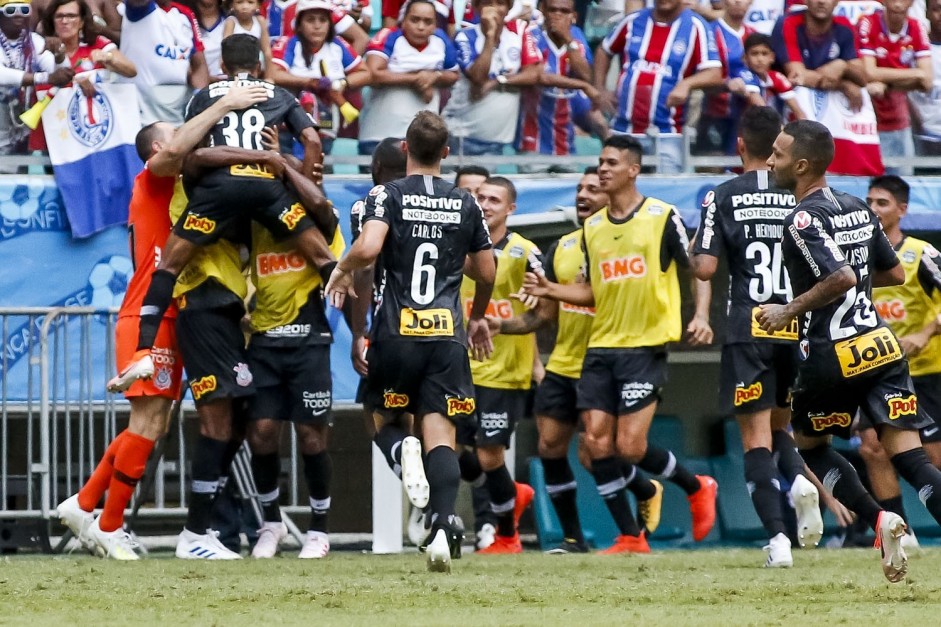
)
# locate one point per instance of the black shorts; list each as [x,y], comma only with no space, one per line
[498,411]
[621,381]
[292,383]
[221,203]
[885,397]
[213,348]
[756,376]
[928,389]
[420,378]
[556,398]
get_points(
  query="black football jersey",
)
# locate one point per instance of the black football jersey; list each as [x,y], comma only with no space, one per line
[743,219]
[242,129]
[433,225]
[826,231]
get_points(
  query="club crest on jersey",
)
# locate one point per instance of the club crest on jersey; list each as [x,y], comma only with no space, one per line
[679,47]
[747,394]
[909,256]
[243,376]
[464,406]
[709,199]
[394,400]
[162,378]
[378,189]
[899,407]
[203,386]
[802,219]
[819,102]
[868,351]
[822,422]
[198,223]
[91,120]
[517,252]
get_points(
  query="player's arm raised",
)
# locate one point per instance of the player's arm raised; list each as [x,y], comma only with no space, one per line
[169,162]
[834,285]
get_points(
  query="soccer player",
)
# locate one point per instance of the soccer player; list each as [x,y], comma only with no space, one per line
[743,219]
[224,197]
[834,250]
[632,250]
[555,405]
[419,230]
[501,383]
[162,149]
[911,311]
[289,355]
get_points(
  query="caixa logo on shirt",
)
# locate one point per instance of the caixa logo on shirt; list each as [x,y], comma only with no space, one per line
[91,120]
[177,53]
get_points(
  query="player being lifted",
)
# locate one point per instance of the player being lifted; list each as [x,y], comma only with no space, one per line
[419,230]
[555,405]
[162,149]
[224,198]
[742,219]
[911,310]
[834,250]
[632,250]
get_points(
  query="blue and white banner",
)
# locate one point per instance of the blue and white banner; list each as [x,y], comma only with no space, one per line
[91,145]
[41,265]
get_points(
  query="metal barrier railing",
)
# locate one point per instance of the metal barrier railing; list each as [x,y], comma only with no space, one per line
[56,419]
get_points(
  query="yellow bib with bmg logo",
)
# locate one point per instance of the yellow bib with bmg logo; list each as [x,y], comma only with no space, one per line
[867,352]
[568,264]
[220,260]
[906,308]
[510,367]
[282,277]
[636,304]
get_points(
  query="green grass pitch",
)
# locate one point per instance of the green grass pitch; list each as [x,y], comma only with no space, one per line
[706,587]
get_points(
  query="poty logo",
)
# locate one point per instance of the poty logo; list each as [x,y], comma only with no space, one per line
[201,387]
[279,263]
[746,395]
[461,406]
[903,407]
[891,310]
[623,268]
[91,120]
[821,423]
[392,400]
[290,217]
[197,223]
[177,53]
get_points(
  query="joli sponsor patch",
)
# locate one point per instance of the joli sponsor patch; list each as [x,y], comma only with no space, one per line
[867,352]
[426,322]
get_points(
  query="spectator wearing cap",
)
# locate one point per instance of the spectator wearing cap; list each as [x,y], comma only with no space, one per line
[24,63]
[316,61]
[895,52]
[408,67]
[497,59]
[282,14]
[162,39]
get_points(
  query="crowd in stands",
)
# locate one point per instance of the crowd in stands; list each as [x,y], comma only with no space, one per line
[507,75]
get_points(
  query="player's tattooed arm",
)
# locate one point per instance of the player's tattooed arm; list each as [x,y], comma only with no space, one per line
[546,311]
[834,285]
